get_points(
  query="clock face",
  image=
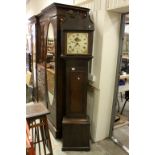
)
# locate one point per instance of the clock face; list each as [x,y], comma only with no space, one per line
[77,43]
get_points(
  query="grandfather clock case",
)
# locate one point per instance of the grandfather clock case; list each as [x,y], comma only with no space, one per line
[64,48]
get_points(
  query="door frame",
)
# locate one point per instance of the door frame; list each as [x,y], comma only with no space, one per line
[121,36]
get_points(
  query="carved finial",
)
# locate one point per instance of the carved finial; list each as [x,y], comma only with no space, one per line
[91,15]
[71,13]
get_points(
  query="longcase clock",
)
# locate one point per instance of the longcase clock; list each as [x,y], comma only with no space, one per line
[76,43]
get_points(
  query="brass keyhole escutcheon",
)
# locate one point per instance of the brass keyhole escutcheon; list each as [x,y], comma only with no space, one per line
[78,78]
[73,68]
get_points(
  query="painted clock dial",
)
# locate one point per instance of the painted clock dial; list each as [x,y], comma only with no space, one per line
[77,43]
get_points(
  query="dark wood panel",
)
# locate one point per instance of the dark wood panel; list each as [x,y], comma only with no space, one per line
[76,134]
[76,87]
[52,117]
[77,90]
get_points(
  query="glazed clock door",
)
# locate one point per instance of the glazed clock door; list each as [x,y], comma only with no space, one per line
[50,73]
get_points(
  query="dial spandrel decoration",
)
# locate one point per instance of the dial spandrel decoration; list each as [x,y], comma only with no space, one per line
[77,43]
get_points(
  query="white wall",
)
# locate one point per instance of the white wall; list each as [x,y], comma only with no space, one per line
[118,5]
[35,6]
[108,71]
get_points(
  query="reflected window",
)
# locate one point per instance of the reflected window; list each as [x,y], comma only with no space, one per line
[50,64]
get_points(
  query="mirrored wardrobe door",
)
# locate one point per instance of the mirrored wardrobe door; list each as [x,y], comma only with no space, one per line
[50,66]
[34,54]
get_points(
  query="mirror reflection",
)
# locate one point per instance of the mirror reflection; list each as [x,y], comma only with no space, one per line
[34,54]
[50,64]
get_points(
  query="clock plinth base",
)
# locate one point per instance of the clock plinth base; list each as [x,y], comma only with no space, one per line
[76,134]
